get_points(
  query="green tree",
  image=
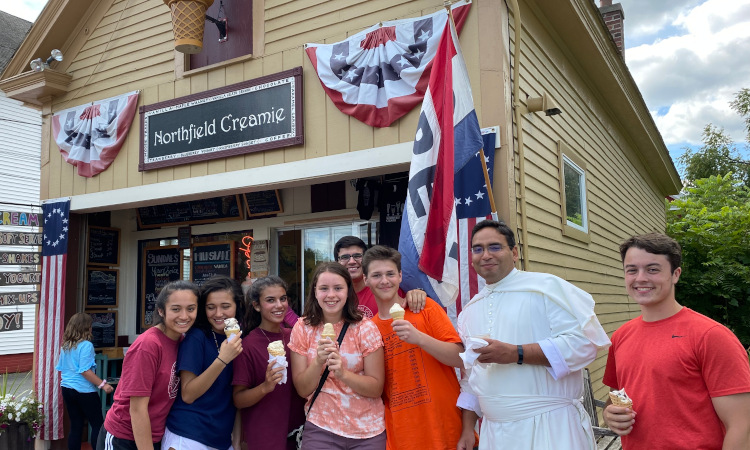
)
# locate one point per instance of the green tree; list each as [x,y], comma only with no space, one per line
[711,221]
[741,104]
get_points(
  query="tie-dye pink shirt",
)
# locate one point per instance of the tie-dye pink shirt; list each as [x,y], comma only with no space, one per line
[338,408]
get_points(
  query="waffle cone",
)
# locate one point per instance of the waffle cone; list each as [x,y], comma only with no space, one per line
[188,20]
[231,331]
[618,402]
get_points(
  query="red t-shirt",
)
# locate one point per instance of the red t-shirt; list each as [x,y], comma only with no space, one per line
[670,369]
[420,392]
[149,370]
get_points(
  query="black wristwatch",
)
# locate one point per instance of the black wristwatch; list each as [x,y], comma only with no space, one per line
[520,355]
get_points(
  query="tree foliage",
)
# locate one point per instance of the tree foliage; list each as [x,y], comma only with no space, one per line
[741,104]
[717,156]
[711,221]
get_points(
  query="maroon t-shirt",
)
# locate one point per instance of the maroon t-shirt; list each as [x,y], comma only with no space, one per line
[147,371]
[282,410]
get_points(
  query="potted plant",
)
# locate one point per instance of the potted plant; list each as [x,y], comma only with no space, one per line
[20,417]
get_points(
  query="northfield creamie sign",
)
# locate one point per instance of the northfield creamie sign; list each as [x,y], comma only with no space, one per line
[246,117]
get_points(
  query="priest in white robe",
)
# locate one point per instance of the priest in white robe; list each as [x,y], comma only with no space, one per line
[527,336]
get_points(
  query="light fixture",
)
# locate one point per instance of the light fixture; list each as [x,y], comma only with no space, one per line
[38,65]
[544,103]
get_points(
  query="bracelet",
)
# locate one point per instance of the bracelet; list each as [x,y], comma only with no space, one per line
[221,360]
[103,383]
[520,355]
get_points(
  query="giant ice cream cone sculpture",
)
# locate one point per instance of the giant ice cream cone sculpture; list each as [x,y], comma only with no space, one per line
[188,20]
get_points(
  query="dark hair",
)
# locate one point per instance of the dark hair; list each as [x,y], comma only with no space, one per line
[220,283]
[500,227]
[314,313]
[161,300]
[348,241]
[657,244]
[253,318]
[78,329]
[381,253]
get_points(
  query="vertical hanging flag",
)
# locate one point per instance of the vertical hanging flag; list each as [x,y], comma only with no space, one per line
[472,206]
[447,137]
[90,136]
[51,314]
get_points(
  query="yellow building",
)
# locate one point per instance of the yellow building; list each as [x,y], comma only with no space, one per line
[604,142]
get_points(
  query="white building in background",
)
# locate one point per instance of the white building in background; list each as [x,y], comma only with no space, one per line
[20,144]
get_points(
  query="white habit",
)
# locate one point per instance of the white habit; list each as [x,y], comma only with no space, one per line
[531,407]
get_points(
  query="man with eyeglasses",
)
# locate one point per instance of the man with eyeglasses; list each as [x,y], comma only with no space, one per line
[348,251]
[532,334]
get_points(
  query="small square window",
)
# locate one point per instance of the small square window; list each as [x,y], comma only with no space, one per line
[573,194]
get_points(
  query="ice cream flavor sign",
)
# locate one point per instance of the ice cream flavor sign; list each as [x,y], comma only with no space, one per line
[247,117]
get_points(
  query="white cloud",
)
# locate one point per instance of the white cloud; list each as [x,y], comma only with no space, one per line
[694,69]
[25,9]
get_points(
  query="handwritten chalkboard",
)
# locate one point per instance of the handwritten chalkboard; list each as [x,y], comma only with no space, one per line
[209,210]
[263,203]
[209,259]
[104,328]
[103,246]
[160,265]
[101,288]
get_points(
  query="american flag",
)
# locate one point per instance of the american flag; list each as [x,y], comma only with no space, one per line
[52,314]
[447,138]
[381,73]
[472,206]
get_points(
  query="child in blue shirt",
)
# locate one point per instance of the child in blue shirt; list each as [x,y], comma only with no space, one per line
[79,382]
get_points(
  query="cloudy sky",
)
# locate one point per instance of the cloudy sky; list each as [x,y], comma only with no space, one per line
[689,58]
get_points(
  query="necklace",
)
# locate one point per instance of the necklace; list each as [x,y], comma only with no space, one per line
[213,333]
[269,340]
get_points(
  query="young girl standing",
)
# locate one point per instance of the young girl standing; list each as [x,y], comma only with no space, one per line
[348,412]
[148,385]
[269,410]
[80,384]
[203,415]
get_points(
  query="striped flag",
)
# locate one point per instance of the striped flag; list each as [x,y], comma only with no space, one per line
[472,206]
[447,137]
[52,315]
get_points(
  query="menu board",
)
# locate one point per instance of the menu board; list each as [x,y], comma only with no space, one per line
[103,247]
[208,210]
[160,265]
[104,328]
[101,288]
[263,203]
[209,259]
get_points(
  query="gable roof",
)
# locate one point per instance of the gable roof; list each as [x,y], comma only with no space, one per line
[12,32]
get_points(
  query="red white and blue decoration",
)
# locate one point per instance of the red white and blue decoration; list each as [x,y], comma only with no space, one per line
[52,314]
[381,73]
[90,136]
[448,137]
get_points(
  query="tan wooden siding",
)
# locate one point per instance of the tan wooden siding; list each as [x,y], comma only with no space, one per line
[620,201]
[132,49]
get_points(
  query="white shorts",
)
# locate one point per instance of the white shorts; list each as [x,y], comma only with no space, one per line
[171,440]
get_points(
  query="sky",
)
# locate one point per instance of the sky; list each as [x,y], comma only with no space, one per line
[688,57]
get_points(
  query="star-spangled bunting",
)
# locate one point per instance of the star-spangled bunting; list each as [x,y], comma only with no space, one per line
[381,73]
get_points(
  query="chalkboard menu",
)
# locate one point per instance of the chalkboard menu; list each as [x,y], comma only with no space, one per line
[160,265]
[103,246]
[101,288]
[246,117]
[209,210]
[209,259]
[104,328]
[263,203]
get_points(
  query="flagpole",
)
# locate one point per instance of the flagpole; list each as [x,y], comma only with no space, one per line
[490,197]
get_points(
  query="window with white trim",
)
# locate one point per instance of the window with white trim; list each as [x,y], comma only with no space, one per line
[575,222]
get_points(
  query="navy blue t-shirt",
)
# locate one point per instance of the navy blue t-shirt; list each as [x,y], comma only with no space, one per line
[210,418]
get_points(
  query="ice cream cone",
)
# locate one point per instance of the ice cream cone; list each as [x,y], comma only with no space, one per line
[328,332]
[276,348]
[620,398]
[397,312]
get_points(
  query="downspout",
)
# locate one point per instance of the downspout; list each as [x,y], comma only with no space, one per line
[517,107]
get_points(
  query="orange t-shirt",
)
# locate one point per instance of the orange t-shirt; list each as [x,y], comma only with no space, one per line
[420,392]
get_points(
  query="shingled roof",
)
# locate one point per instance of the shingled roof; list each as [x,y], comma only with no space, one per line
[12,33]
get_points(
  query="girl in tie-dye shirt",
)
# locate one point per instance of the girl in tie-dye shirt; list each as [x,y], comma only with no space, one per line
[349,408]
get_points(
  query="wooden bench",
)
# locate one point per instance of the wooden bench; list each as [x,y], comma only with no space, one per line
[606,439]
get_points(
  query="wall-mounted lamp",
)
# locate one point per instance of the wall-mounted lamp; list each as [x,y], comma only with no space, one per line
[221,24]
[39,64]
[544,103]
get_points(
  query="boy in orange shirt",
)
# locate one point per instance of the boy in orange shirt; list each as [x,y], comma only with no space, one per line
[421,351]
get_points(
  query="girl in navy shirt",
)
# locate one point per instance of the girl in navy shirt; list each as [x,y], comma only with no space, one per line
[205,367]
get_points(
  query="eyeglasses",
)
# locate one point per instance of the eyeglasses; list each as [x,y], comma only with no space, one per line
[345,258]
[492,248]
